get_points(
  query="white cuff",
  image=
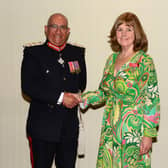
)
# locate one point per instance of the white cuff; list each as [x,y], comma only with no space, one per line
[60,100]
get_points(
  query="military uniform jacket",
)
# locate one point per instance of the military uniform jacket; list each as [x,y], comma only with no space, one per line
[43,79]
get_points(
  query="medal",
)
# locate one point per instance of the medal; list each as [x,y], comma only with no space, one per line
[74,67]
[60,60]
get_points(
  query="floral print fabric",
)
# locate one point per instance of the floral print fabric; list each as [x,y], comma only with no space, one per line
[132,110]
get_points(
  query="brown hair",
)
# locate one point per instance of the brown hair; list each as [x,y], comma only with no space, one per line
[140,43]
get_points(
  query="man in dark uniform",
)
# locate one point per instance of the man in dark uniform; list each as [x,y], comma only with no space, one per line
[52,75]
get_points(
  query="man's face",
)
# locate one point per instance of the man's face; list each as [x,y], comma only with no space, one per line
[57,30]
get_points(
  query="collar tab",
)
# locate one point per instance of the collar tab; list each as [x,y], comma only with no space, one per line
[60,48]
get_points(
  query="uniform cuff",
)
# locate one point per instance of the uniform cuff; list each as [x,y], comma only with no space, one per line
[60,98]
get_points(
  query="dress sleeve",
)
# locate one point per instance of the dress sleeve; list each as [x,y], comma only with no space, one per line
[151,98]
[100,95]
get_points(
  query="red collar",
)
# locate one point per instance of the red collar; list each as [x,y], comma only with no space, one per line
[56,47]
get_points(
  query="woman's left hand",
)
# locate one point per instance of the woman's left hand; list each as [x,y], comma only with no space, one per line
[146,145]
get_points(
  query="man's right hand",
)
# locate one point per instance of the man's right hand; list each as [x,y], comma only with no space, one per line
[71,100]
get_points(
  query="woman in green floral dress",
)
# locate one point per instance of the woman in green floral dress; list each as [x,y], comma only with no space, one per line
[129,90]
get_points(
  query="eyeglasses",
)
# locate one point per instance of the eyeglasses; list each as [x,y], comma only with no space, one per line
[63,28]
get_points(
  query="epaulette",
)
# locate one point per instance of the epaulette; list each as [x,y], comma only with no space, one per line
[30,44]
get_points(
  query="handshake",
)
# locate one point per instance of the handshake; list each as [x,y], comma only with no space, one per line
[70,100]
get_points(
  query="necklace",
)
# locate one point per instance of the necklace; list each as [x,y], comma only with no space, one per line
[126,56]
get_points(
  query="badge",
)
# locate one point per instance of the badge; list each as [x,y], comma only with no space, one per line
[61,61]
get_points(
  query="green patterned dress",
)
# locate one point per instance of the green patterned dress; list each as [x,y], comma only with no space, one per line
[132,110]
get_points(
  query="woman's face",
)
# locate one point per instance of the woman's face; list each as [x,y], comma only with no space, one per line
[125,36]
